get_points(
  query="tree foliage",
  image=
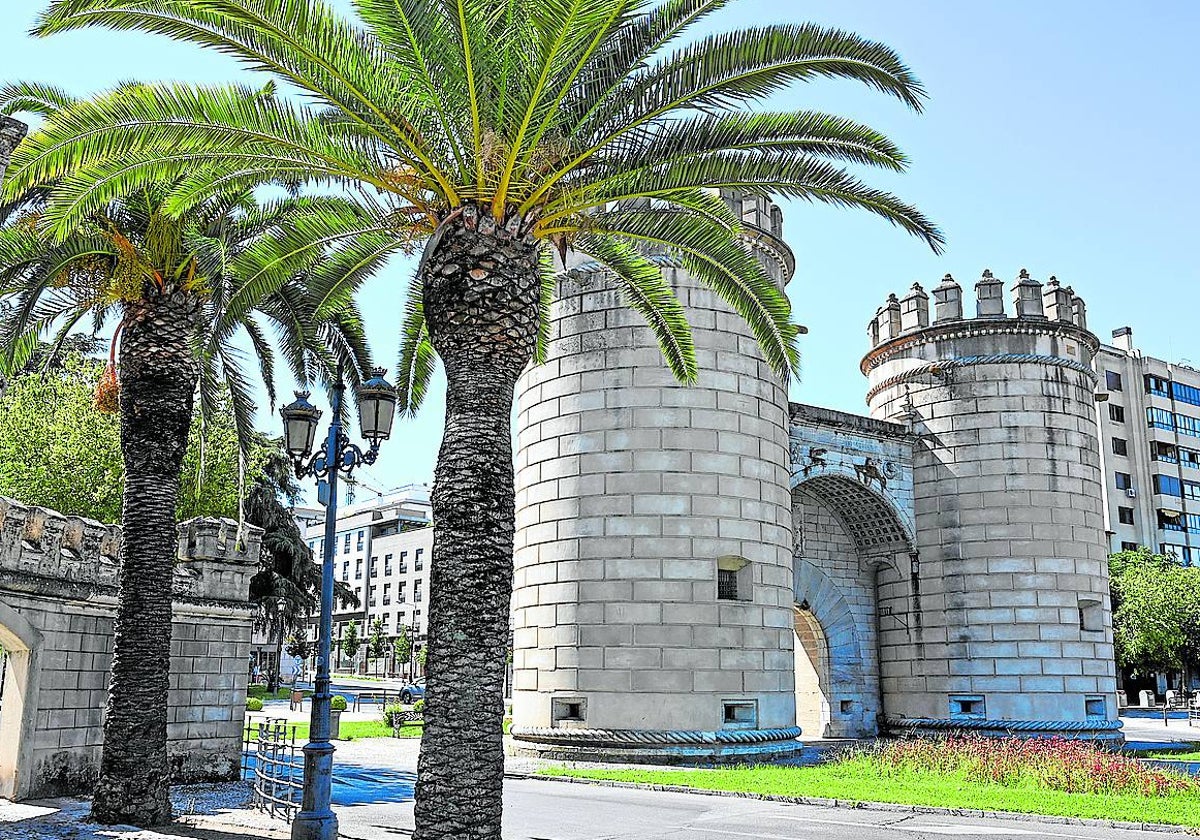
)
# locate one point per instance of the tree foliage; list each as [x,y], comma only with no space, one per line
[351,641]
[1156,610]
[377,644]
[58,451]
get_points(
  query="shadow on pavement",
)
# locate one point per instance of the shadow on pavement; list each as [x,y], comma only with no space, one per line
[354,784]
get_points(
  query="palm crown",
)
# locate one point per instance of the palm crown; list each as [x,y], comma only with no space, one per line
[566,114]
[229,250]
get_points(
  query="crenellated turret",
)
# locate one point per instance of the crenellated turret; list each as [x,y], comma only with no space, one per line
[1078,310]
[914,309]
[12,132]
[947,300]
[989,296]
[1057,302]
[1027,296]
[889,319]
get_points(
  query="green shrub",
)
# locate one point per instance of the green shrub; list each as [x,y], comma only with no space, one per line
[419,706]
[392,715]
[337,703]
[253,704]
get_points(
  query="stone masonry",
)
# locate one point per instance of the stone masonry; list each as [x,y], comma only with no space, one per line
[1006,613]
[633,492]
[57,600]
[699,569]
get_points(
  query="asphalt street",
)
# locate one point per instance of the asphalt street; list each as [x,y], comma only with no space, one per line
[545,810]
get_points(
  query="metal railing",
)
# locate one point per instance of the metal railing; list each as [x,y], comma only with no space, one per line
[274,763]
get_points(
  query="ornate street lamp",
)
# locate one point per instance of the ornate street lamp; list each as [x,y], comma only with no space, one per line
[376,410]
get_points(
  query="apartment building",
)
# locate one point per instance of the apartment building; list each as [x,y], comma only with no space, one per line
[1150,450]
[381,551]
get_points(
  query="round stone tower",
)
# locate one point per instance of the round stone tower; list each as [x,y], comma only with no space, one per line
[653,611]
[1003,622]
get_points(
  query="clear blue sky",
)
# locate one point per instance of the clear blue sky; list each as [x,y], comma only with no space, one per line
[1060,137]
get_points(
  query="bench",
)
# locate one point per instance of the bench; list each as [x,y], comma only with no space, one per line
[381,697]
[403,717]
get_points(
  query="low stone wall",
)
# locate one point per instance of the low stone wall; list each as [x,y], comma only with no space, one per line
[57,602]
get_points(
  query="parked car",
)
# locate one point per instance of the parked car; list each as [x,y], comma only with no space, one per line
[413,691]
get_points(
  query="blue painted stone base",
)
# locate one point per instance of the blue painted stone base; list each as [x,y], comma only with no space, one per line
[660,748]
[1106,732]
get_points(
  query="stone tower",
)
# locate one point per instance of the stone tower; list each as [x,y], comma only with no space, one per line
[1003,621]
[653,595]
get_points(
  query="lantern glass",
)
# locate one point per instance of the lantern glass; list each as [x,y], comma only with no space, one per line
[300,425]
[376,407]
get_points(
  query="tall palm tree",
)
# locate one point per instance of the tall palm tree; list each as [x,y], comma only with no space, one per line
[183,288]
[499,132]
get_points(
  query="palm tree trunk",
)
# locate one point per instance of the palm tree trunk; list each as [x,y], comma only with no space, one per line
[158,379]
[481,289]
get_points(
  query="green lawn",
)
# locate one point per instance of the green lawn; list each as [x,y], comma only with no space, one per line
[858,780]
[1179,755]
[352,730]
[260,691]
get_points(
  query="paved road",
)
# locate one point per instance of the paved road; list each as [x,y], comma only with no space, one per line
[373,800]
[540,810]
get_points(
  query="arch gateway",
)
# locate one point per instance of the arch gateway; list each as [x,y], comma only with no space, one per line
[708,572]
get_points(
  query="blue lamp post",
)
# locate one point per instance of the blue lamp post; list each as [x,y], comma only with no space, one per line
[376,410]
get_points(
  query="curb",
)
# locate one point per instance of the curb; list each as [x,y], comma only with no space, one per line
[854,804]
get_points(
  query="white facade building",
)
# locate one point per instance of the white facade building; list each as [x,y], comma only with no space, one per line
[1150,450]
[382,552]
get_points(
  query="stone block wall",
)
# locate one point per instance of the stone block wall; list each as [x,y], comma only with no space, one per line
[57,602]
[1009,596]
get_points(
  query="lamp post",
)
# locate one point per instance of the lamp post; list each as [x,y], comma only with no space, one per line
[376,410]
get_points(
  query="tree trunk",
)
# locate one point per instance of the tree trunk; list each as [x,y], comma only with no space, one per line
[158,380]
[481,290]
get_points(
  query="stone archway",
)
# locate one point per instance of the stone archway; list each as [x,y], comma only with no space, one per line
[812,674]
[21,644]
[846,534]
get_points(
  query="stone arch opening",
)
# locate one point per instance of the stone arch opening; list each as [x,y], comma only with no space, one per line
[847,537]
[812,674]
[20,644]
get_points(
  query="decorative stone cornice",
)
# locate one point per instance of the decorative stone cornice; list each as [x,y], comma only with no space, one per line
[646,737]
[975,328]
[1016,727]
[937,368]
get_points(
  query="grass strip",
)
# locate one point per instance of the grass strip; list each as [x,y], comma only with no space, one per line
[859,780]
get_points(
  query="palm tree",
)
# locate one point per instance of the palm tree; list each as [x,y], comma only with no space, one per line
[499,132]
[183,288]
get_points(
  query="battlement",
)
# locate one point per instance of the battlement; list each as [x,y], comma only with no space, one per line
[12,132]
[42,546]
[1050,303]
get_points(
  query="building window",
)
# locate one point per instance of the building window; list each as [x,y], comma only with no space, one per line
[1113,380]
[1160,418]
[739,714]
[419,560]
[374,567]
[1168,485]
[1185,393]
[967,706]
[734,582]
[402,592]
[371,594]
[403,562]
[358,569]
[346,570]
[1120,446]
[1165,452]
[1095,706]
[360,540]
[1125,515]
[1091,615]
[387,594]
[346,543]
[1124,482]
[387,564]
[1157,385]
[567,710]
[1189,458]
[416,591]
[1116,413]
[1129,546]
